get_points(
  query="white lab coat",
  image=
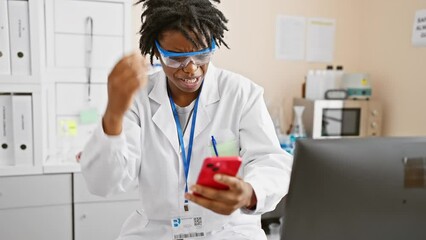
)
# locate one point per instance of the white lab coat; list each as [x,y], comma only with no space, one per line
[232,109]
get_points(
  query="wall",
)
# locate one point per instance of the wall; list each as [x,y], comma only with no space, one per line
[397,68]
[251,38]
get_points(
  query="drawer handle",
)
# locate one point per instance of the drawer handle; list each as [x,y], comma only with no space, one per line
[89,49]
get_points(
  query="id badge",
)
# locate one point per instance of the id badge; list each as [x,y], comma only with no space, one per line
[187,227]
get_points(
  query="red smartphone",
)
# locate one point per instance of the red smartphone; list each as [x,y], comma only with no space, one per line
[214,165]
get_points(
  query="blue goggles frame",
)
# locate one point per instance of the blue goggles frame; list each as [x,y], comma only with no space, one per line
[166,53]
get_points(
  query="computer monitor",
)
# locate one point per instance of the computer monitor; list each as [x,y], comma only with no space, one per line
[347,189]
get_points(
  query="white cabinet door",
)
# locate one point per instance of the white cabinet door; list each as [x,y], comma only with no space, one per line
[71,51]
[36,207]
[98,217]
[71,137]
[84,39]
[101,220]
[35,191]
[71,132]
[82,34]
[36,223]
[71,98]
[71,17]
[82,194]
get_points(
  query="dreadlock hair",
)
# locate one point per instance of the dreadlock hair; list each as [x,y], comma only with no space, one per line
[185,16]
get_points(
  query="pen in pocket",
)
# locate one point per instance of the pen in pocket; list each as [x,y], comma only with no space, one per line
[214,146]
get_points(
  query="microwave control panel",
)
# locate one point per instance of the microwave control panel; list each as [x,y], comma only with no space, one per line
[374,127]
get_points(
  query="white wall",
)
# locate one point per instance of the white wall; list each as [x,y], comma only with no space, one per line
[397,68]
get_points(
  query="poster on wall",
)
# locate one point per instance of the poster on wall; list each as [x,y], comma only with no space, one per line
[290,38]
[320,40]
[419,29]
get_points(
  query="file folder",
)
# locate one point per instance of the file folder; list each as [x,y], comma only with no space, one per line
[19,31]
[22,129]
[6,131]
[4,39]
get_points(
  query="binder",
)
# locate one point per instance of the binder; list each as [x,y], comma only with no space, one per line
[4,39]
[6,131]
[22,129]
[19,34]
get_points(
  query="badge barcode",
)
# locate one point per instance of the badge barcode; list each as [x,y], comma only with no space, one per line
[188,235]
[198,221]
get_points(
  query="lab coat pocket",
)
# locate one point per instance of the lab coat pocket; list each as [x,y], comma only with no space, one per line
[227,143]
[135,224]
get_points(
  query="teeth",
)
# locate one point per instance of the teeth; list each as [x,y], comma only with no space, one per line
[193,80]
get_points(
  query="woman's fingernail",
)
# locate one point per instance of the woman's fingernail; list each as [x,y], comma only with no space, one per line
[217,177]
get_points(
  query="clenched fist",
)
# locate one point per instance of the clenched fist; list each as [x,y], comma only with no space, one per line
[125,79]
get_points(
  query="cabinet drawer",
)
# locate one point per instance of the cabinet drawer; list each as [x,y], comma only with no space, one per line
[82,194]
[37,223]
[70,51]
[101,220]
[71,99]
[42,190]
[70,17]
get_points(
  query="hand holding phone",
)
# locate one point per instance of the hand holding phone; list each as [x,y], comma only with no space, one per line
[214,165]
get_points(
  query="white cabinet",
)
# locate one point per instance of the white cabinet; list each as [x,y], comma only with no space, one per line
[68,115]
[85,34]
[70,53]
[100,218]
[36,207]
[71,98]
[71,16]
[36,223]
[84,40]
[83,26]
[60,207]
[68,43]
[56,50]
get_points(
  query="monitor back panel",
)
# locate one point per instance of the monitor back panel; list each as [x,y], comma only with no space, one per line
[354,189]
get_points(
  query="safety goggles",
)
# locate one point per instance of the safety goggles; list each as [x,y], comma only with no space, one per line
[182,59]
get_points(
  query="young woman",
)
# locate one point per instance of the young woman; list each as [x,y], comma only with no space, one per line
[158,129]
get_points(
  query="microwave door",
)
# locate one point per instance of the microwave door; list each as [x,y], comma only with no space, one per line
[331,123]
[338,122]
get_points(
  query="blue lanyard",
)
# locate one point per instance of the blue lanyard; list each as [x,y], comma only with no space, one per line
[185,158]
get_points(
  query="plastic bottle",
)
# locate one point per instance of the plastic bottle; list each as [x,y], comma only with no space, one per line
[338,77]
[329,80]
[315,87]
[310,85]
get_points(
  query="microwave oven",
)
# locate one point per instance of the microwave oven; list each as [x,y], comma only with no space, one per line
[341,118]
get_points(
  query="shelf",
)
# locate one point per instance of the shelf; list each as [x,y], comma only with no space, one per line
[61,167]
[19,79]
[20,170]
[17,87]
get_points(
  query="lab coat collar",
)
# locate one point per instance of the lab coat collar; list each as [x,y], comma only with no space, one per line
[163,117]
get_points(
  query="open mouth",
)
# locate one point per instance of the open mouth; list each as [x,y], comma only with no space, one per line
[190,82]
